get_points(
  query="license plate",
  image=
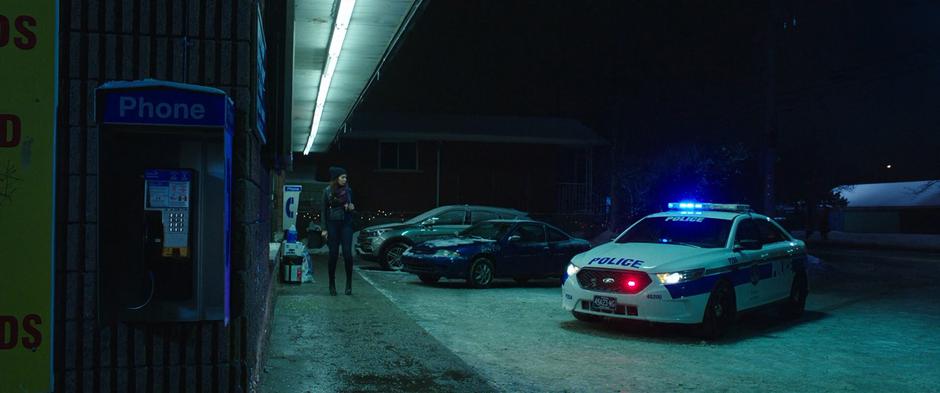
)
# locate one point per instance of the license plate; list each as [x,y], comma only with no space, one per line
[604,304]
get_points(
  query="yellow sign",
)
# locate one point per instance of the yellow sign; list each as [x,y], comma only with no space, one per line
[27,177]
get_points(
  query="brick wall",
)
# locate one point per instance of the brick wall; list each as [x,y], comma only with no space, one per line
[207,42]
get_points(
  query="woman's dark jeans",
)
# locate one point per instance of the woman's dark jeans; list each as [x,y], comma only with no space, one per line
[336,232]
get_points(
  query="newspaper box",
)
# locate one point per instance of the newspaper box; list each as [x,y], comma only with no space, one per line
[292,263]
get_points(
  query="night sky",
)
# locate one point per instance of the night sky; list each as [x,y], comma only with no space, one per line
[856,84]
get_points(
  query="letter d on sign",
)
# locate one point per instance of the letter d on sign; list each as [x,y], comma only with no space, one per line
[8,331]
[10,129]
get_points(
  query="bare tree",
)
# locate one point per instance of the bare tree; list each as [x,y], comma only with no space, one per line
[691,171]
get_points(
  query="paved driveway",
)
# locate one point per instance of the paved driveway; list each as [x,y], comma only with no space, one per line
[871,325]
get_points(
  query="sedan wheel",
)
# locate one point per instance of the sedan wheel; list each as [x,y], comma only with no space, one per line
[719,312]
[481,273]
[392,258]
[796,303]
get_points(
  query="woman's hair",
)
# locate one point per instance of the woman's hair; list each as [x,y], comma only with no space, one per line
[334,184]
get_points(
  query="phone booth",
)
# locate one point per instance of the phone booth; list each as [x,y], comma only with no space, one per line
[164,186]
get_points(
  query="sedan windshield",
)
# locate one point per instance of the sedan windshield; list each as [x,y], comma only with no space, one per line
[487,230]
[686,231]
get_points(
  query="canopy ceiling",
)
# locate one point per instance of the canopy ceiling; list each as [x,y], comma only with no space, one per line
[374,28]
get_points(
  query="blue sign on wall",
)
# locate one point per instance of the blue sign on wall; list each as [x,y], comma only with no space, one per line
[164,107]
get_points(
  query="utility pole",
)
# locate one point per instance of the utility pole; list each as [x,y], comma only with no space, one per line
[437,192]
[770,116]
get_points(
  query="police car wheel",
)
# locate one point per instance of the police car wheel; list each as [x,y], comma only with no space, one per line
[428,278]
[586,317]
[481,273]
[391,257]
[719,312]
[796,303]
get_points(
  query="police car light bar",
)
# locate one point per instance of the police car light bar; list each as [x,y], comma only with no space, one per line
[685,205]
[733,207]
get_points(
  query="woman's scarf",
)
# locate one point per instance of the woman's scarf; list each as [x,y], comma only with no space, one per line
[341,195]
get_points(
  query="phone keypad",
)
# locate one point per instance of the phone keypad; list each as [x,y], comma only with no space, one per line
[176,221]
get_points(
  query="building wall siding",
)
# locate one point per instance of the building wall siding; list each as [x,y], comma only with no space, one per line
[206,42]
[497,174]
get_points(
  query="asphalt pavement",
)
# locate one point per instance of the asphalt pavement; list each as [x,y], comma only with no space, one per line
[357,343]
[870,325]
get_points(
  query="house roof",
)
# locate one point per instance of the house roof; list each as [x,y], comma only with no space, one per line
[902,194]
[494,129]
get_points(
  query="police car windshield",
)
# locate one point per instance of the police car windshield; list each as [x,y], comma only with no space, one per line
[487,230]
[680,230]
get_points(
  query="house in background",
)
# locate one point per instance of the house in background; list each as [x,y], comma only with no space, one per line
[411,163]
[903,207]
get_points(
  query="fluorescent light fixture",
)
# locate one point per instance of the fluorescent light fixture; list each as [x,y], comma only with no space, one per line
[343,15]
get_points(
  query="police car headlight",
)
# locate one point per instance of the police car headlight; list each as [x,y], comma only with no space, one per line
[679,277]
[446,254]
[572,269]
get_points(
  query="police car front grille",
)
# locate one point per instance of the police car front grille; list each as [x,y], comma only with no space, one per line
[602,280]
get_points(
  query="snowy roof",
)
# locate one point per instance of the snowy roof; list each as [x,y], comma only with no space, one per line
[151,83]
[902,194]
[504,129]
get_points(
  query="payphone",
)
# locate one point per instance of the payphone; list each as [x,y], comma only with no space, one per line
[164,184]
[167,231]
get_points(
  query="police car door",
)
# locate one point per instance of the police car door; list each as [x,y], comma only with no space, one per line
[778,250]
[746,265]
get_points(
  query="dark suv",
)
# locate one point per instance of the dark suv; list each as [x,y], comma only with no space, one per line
[385,243]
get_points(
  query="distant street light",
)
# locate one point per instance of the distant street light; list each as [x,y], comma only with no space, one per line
[888,166]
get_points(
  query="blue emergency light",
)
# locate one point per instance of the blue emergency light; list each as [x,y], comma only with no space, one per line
[685,205]
[694,206]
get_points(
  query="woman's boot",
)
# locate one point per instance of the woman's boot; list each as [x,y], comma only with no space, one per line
[332,287]
[349,285]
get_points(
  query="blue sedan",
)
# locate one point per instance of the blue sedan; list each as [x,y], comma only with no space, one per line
[518,249]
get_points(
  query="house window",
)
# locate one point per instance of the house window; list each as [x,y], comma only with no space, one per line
[398,155]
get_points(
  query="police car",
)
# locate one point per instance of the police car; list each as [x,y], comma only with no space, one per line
[698,263]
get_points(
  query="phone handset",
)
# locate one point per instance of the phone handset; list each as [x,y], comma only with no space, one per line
[153,242]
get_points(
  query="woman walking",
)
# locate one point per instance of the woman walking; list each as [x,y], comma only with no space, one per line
[336,220]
